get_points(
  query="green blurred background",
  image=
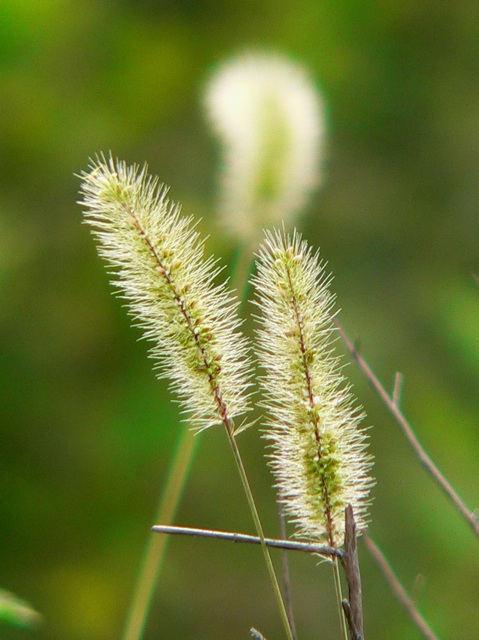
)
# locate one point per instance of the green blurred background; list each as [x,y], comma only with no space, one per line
[87,432]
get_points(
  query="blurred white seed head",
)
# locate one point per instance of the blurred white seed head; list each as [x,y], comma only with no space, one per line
[161,271]
[318,450]
[269,118]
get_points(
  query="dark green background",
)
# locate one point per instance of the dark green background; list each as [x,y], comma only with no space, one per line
[86,430]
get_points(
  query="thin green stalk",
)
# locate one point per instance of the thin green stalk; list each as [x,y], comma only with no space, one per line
[285,568]
[339,598]
[259,530]
[239,280]
[241,270]
[170,498]
[156,546]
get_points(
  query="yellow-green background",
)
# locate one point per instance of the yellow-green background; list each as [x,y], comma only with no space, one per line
[86,430]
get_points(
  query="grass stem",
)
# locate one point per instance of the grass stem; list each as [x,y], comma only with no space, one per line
[156,547]
[339,598]
[259,530]
[170,498]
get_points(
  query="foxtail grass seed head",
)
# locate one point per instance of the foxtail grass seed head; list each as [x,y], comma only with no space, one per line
[318,450]
[269,118]
[160,269]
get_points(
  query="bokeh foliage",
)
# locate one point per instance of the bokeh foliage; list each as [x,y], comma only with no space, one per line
[86,430]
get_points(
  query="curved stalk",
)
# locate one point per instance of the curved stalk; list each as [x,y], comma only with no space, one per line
[171,496]
[259,530]
[155,549]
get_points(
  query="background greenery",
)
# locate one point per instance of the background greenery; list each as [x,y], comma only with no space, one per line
[86,430]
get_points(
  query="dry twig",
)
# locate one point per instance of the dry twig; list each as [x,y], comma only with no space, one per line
[392,403]
[399,590]
[322,550]
[353,609]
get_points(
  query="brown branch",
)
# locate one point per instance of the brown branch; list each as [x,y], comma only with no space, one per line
[392,404]
[353,609]
[354,633]
[399,590]
[292,545]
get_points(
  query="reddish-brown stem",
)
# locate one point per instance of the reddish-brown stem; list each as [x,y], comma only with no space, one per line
[309,389]
[324,488]
[399,590]
[392,404]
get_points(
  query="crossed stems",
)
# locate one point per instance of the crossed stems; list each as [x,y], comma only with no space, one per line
[183,461]
[349,559]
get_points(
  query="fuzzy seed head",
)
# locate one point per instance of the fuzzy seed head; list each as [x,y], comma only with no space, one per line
[269,117]
[157,257]
[318,450]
